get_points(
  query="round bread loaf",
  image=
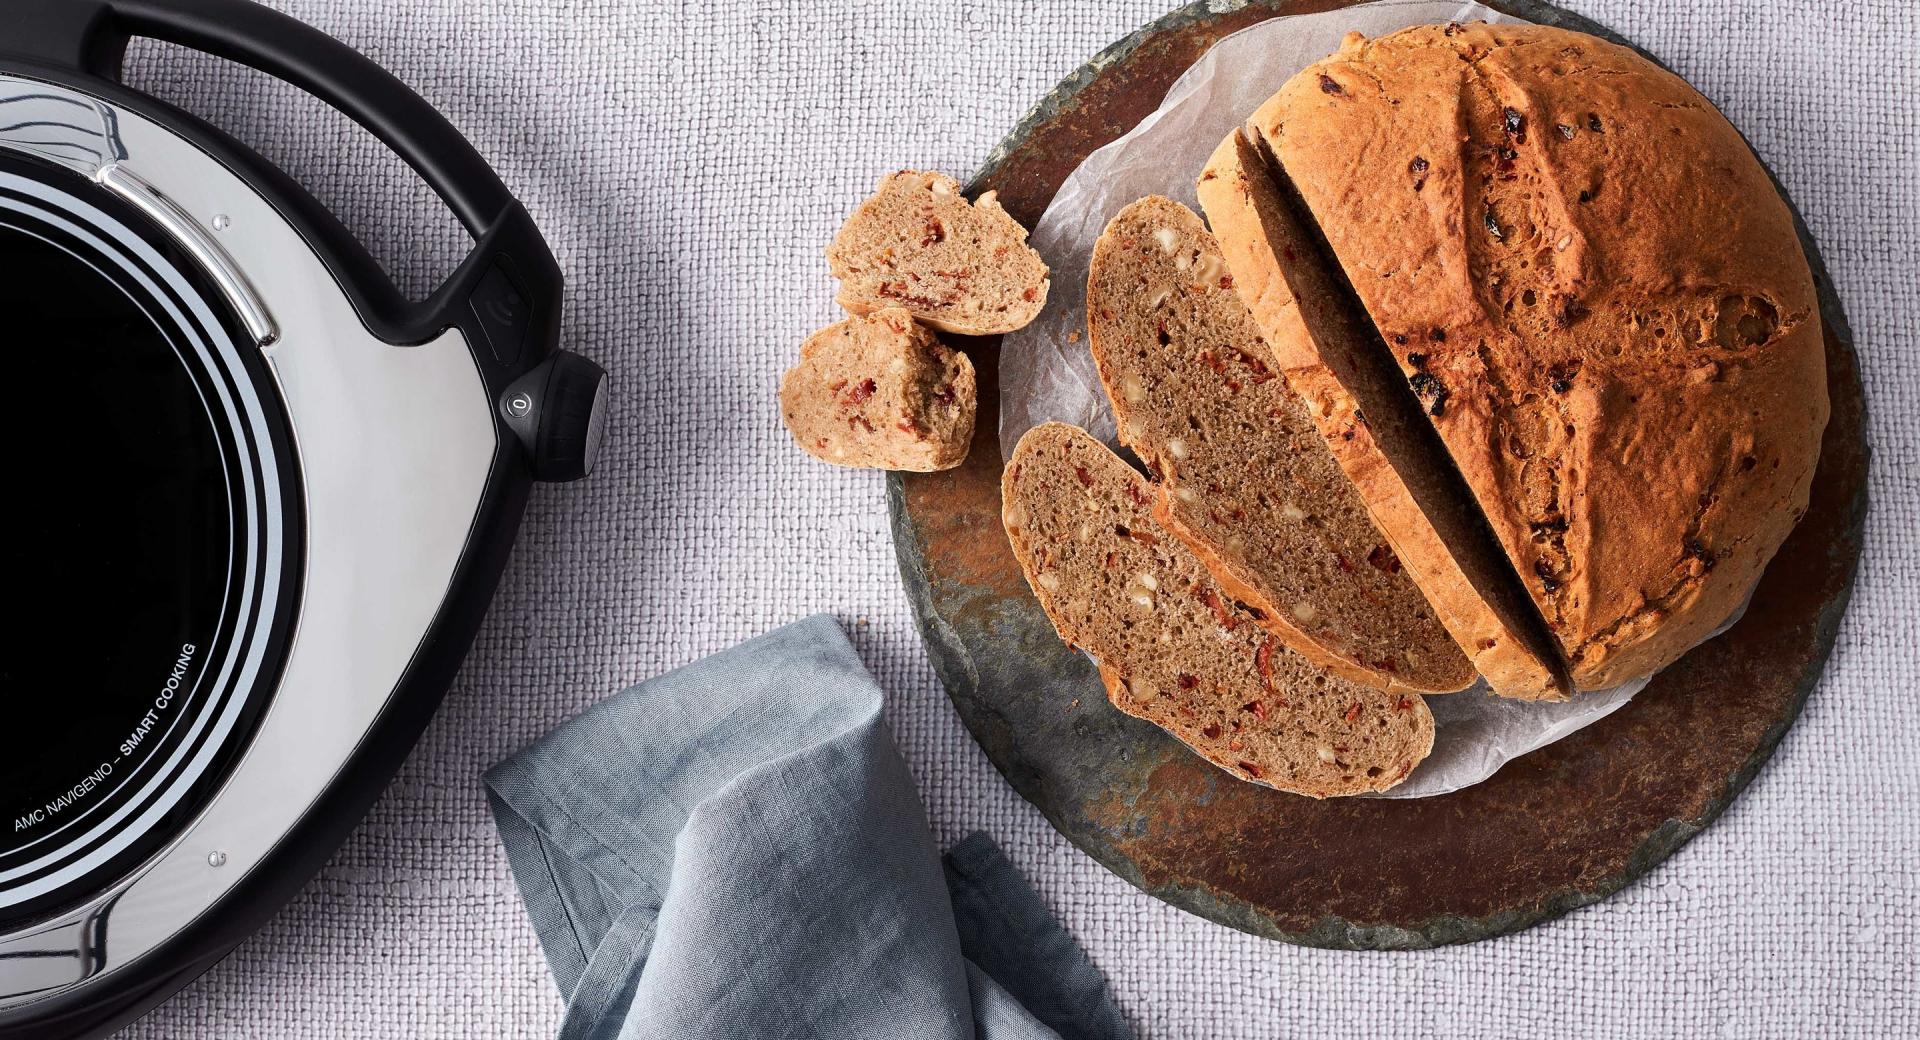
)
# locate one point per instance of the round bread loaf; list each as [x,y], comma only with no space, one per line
[1597,297]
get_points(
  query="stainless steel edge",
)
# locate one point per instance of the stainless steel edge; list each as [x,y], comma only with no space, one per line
[165,212]
[82,134]
[58,125]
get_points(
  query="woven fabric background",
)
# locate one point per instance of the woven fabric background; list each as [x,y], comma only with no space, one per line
[688,161]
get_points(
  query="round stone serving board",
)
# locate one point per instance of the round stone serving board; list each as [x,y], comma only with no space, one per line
[1557,829]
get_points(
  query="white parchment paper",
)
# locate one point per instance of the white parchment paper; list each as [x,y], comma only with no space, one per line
[1047,374]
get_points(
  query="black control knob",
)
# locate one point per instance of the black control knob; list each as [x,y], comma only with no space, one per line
[559,412]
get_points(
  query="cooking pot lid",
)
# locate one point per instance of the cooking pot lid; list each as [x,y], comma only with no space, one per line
[147,550]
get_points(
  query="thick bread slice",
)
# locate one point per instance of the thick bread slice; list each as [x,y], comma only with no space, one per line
[1599,294]
[917,243]
[1174,648]
[881,391]
[1244,477]
[1400,469]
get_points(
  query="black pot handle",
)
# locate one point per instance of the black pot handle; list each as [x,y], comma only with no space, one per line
[290,50]
[91,36]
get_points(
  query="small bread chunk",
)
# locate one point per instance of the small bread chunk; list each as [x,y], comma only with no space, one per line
[1244,476]
[1174,648]
[959,267]
[881,392]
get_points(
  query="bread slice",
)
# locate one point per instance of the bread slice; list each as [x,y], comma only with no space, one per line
[1172,645]
[881,391]
[960,267]
[1602,299]
[1244,478]
[1331,357]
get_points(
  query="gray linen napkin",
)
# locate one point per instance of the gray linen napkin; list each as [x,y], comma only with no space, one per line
[735,849]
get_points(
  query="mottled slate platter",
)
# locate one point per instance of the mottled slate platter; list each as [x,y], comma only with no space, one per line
[1563,827]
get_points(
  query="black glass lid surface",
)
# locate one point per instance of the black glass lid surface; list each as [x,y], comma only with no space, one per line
[148,549]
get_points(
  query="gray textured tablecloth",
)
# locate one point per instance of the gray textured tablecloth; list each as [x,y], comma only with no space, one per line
[688,161]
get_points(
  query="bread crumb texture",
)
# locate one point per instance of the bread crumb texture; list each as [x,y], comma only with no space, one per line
[1174,648]
[1598,296]
[881,391]
[1244,477]
[959,266]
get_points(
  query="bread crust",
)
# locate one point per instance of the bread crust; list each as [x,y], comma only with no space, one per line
[1243,209]
[1601,291]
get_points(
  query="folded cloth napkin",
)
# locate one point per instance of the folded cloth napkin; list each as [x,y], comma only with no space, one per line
[736,849]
